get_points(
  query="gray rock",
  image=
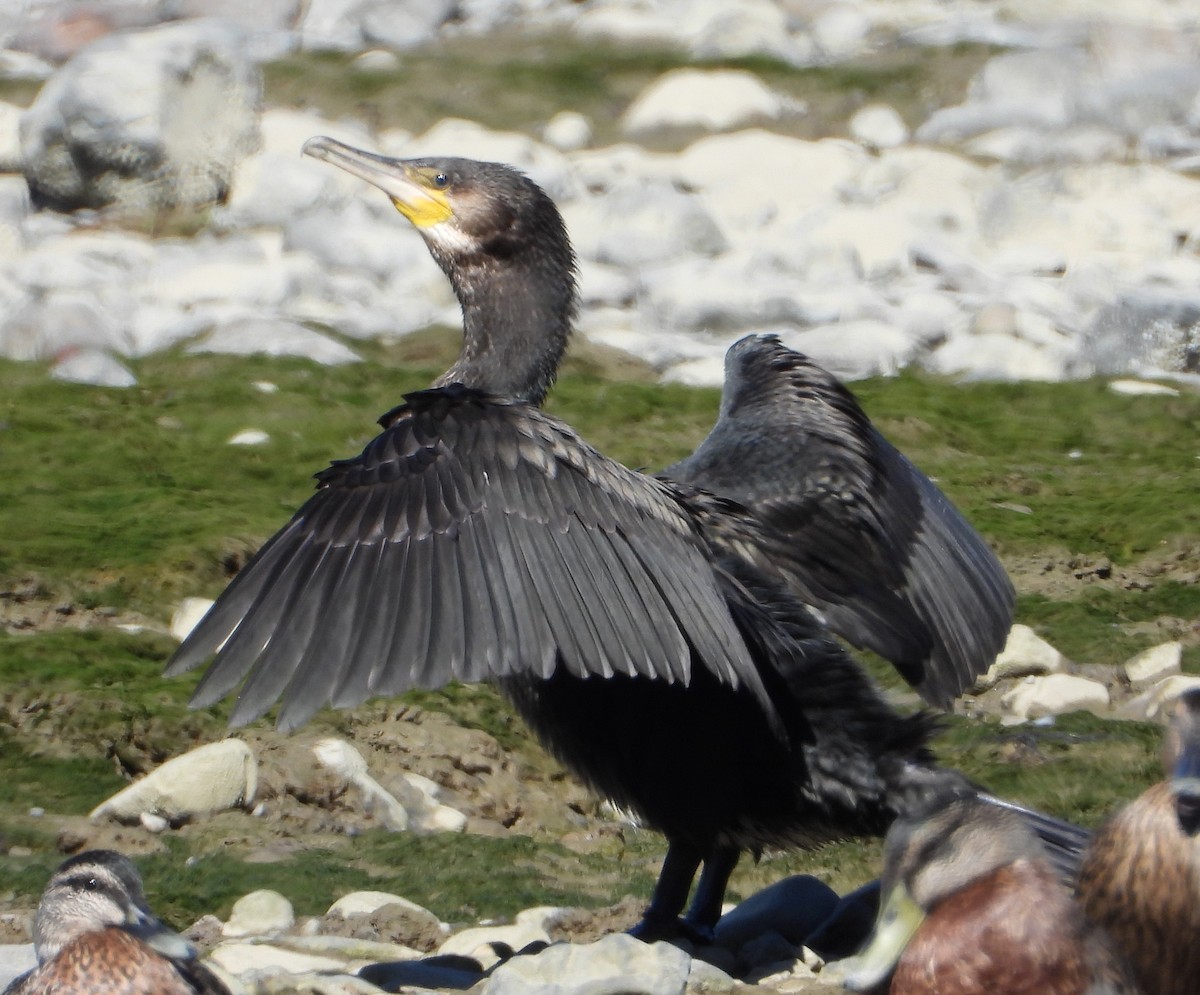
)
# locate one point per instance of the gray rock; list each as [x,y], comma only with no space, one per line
[615,965]
[15,959]
[1145,329]
[146,121]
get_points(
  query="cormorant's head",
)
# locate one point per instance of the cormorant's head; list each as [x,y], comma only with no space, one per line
[499,238]
[463,208]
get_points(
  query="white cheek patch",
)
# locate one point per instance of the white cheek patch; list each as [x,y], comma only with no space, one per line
[448,238]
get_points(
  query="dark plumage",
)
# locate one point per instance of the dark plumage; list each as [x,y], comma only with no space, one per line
[971,906]
[95,933]
[871,543]
[1140,878]
[647,630]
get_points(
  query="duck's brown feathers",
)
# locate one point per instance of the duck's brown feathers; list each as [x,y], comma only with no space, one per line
[1013,931]
[113,962]
[1141,881]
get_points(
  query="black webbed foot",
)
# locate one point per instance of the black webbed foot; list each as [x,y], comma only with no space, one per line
[653,928]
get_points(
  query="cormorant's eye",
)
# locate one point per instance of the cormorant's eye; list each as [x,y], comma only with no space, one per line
[441,181]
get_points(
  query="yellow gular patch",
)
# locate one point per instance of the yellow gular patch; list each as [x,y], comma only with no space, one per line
[429,209]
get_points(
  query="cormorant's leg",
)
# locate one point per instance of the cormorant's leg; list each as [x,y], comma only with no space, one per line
[705,910]
[661,918]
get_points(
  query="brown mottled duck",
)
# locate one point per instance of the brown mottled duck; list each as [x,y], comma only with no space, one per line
[971,906]
[1140,878]
[94,933]
[671,647]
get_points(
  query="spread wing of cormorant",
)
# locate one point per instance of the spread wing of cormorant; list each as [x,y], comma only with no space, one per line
[474,539]
[867,539]
[638,625]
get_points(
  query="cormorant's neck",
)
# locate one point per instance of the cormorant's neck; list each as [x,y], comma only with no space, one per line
[517,317]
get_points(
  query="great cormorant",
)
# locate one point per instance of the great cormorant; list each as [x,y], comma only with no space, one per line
[94,932]
[648,630]
[971,906]
[1140,878]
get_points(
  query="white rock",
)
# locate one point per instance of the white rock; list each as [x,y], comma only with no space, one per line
[1056,694]
[242,958]
[160,117]
[10,138]
[365,902]
[250,437]
[724,294]
[474,942]
[1024,653]
[187,616]
[403,26]
[853,350]
[715,100]
[417,808]
[210,778]
[1156,702]
[377,60]
[546,166]
[249,335]
[616,963]
[996,357]
[1155,664]
[347,763]
[1142,388]
[752,27]
[840,30]
[259,913]
[62,324]
[568,131]
[154,823]
[91,366]
[816,172]
[878,126]
[633,226]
